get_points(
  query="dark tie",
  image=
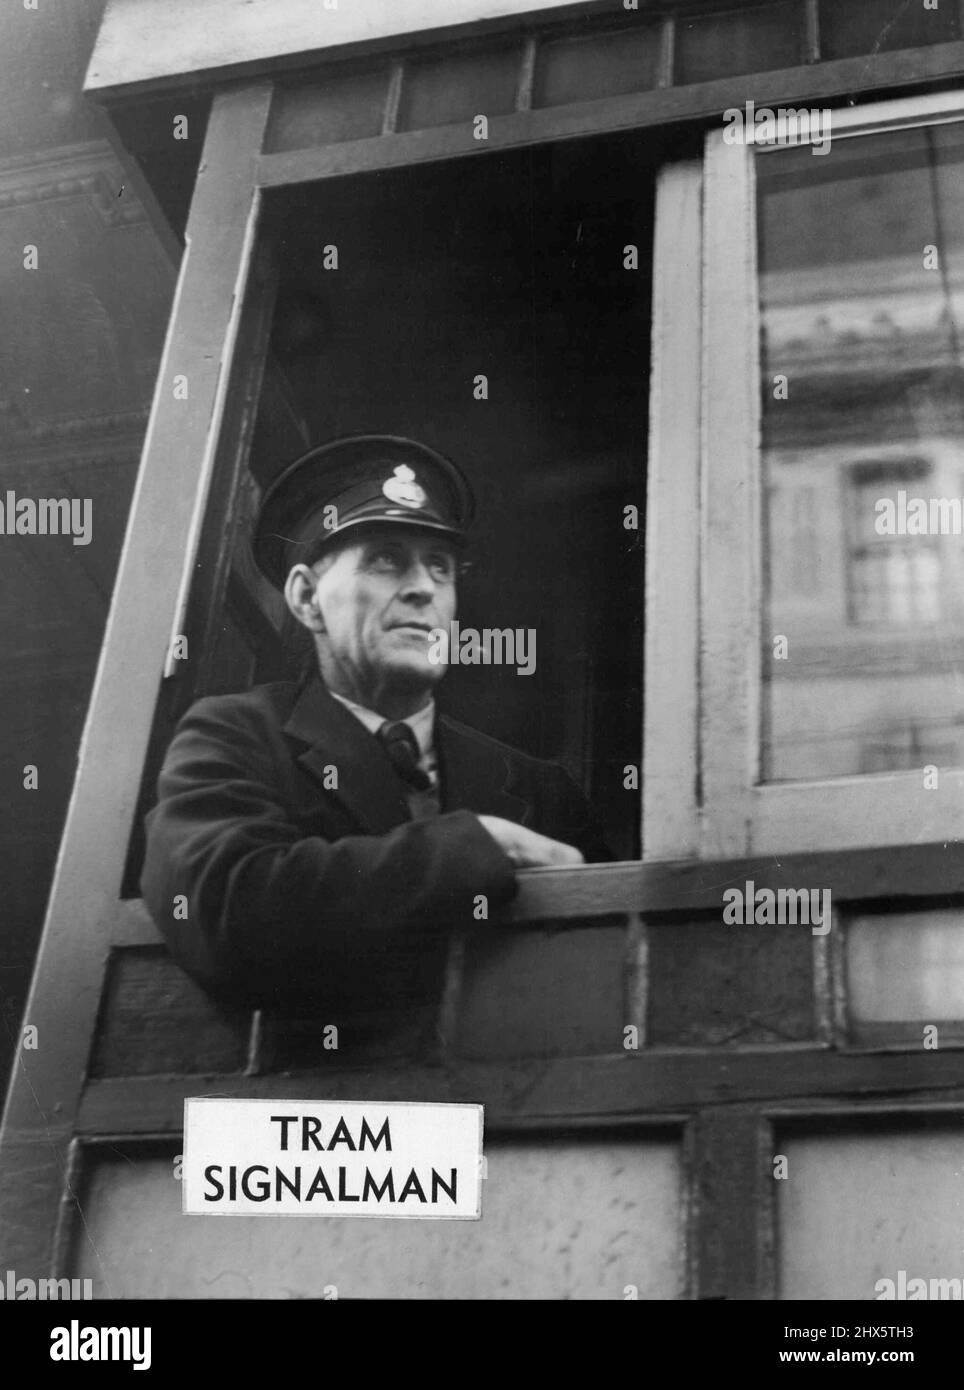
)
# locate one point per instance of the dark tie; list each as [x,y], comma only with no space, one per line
[402,749]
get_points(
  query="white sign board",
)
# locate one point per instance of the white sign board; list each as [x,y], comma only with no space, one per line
[332,1158]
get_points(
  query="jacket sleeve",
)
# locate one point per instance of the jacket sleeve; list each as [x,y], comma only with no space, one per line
[261,903]
[569,816]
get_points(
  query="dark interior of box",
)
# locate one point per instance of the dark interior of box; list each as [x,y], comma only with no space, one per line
[508,266]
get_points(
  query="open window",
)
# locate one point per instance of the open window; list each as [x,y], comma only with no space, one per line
[831,632]
[485,306]
[834,465]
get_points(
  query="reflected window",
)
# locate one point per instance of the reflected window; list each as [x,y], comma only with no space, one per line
[861,254]
[890,579]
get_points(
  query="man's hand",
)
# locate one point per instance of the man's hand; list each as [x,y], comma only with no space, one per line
[526,849]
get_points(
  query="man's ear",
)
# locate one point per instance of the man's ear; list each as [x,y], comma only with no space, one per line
[301,596]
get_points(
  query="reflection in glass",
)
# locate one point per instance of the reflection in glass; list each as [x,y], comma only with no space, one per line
[861,257]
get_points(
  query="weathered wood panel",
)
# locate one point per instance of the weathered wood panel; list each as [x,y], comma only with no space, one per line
[666,106]
[155,1019]
[730,523]
[732,1241]
[671,664]
[143,41]
[152,43]
[915,871]
[586,1091]
[714,985]
[342,1036]
[542,993]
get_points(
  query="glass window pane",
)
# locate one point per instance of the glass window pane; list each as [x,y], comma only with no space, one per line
[874,26]
[906,966]
[585,67]
[348,105]
[862,316]
[860,1208]
[756,39]
[535,1240]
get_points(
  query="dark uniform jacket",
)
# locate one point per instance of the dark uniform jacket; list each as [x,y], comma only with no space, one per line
[294,887]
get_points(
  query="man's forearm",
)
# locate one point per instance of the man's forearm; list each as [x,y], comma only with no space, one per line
[259,900]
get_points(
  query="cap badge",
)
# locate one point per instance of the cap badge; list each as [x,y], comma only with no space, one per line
[403,489]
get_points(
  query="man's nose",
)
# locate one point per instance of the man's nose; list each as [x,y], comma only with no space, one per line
[418,582]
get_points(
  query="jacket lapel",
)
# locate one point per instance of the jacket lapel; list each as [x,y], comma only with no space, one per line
[367,784]
[473,779]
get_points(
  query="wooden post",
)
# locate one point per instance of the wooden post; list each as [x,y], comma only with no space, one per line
[812,39]
[732,1242]
[671,735]
[729,576]
[157,558]
[667,51]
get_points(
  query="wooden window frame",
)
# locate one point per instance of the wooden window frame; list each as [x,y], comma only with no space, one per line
[741,815]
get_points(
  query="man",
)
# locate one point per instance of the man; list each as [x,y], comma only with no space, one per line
[338,830]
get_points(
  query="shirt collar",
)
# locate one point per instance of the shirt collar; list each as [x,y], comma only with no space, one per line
[422,723]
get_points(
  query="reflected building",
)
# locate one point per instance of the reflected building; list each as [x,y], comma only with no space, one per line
[862,311]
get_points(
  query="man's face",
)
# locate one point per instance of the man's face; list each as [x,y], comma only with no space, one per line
[380,595]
